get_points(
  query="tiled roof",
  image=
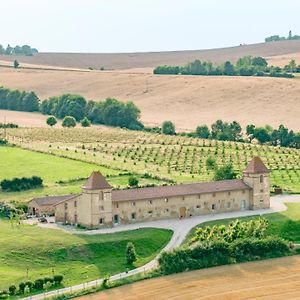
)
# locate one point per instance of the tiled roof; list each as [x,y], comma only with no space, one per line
[96,182]
[52,200]
[256,165]
[178,190]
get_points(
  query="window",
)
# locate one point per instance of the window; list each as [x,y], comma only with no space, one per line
[75,219]
[183,198]
[117,205]
[261,200]
[261,191]
[228,205]
[244,192]
[261,178]
[150,202]
[166,210]
[213,207]
[214,194]
[228,193]
[133,216]
[199,196]
[75,203]
[101,208]
[198,206]
[133,203]
[166,200]
[150,212]
[101,221]
[66,205]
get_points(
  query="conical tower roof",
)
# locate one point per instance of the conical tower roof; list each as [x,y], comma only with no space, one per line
[256,165]
[96,182]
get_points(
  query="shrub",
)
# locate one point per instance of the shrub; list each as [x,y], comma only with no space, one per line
[58,279]
[12,290]
[133,181]
[105,282]
[3,142]
[250,248]
[20,184]
[69,121]
[131,256]
[51,121]
[38,284]
[85,122]
[168,128]
[30,284]
[22,287]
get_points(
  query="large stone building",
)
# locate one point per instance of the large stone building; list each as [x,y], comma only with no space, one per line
[99,205]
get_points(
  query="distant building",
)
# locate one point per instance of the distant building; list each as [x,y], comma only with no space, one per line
[100,206]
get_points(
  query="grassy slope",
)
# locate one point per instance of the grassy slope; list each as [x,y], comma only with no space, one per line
[77,257]
[18,163]
[285,224]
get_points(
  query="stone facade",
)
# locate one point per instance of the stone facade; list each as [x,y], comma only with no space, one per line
[100,206]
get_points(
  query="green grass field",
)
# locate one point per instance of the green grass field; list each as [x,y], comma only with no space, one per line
[19,162]
[78,257]
[179,158]
[285,224]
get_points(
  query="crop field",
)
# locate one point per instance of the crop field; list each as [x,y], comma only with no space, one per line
[178,158]
[79,258]
[60,175]
[273,279]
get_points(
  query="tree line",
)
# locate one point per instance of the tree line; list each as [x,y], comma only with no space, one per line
[225,131]
[111,112]
[18,50]
[245,66]
[18,100]
[276,38]
[21,184]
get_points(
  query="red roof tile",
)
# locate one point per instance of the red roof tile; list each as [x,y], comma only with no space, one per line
[178,190]
[96,182]
[256,166]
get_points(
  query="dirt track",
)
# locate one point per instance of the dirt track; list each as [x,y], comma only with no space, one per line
[275,279]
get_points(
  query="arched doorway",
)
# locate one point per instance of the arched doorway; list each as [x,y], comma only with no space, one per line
[182,212]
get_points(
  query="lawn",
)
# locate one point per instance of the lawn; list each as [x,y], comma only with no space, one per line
[285,224]
[78,257]
[52,169]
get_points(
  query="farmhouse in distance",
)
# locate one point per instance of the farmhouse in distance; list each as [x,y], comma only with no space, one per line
[100,206]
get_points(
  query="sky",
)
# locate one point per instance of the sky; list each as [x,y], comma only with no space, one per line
[143,25]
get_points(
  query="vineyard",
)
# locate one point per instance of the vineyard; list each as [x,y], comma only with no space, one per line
[178,158]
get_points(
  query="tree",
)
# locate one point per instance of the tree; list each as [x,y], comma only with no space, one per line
[16,64]
[261,134]
[30,102]
[202,132]
[51,121]
[85,122]
[133,181]
[131,256]
[69,121]
[224,173]
[228,68]
[211,163]
[168,128]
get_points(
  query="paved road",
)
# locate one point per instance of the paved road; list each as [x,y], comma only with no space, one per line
[180,228]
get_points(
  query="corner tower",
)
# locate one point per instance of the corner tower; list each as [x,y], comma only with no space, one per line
[96,196]
[257,176]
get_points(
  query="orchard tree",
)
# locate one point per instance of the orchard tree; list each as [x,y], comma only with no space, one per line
[51,121]
[69,121]
[168,128]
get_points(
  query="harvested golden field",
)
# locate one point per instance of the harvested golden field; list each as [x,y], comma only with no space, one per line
[282,60]
[273,279]
[153,59]
[186,100]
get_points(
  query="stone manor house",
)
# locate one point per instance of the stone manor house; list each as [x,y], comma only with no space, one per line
[100,206]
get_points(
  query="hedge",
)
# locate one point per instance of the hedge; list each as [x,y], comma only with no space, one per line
[216,253]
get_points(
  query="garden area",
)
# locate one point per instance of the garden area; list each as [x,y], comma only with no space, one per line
[174,158]
[28,253]
[232,241]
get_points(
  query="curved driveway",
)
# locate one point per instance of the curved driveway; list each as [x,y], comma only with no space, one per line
[181,228]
